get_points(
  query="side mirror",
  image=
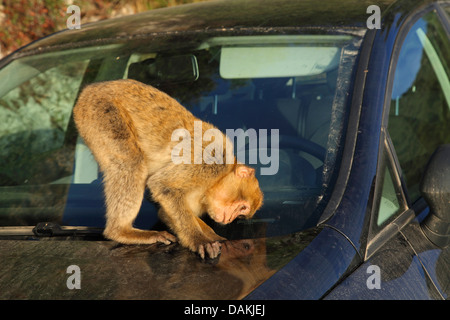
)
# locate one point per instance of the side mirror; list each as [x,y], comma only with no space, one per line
[435,188]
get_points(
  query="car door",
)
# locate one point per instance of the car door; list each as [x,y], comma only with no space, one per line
[419,122]
[401,262]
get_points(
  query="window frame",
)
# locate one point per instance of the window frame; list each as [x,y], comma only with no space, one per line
[378,235]
[388,164]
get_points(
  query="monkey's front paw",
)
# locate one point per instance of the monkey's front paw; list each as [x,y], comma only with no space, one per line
[165,237]
[210,248]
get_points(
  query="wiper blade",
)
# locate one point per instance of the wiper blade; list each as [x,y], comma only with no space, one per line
[51,229]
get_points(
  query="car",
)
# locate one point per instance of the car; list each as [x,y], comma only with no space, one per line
[342,108]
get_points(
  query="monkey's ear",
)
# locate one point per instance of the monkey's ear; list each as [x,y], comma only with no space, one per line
[244,171]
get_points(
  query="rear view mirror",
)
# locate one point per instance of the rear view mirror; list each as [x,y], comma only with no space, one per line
[435,188]
[163,70]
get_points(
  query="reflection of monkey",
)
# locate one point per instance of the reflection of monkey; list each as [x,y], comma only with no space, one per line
[171,272]
[246,260]
[128,127]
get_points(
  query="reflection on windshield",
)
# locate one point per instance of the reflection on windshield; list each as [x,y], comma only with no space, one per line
[282,97]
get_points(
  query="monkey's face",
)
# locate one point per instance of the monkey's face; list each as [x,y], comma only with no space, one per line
[237,195]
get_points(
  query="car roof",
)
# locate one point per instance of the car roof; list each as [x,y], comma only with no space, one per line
[218,15]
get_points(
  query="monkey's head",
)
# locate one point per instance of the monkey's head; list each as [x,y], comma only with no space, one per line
[236,195]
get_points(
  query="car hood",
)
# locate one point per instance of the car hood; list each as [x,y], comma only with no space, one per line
[108,270]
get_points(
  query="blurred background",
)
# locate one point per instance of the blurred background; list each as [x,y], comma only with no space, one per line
[23,21]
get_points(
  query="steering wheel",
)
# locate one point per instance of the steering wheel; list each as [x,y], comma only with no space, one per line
[303,144]
[299,143]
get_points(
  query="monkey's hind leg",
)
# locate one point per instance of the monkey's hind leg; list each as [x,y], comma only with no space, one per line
[124,192]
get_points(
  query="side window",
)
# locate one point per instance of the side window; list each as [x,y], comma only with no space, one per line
[391,201]
[419,117]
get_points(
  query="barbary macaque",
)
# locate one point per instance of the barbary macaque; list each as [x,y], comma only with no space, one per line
[129,127]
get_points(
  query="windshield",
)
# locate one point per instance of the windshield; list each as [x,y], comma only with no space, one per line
[282,99]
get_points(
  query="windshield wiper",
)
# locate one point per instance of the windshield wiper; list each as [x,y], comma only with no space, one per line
[50,229]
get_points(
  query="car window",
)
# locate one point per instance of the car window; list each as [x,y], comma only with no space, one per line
[419,116]
[284,114]
[391,202]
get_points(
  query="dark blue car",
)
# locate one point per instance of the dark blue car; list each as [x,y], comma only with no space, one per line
[342,107]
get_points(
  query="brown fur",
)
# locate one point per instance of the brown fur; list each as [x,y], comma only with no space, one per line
[128,127]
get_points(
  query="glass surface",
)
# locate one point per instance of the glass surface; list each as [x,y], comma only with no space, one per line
[287,123]
[389,201]
[419,118]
